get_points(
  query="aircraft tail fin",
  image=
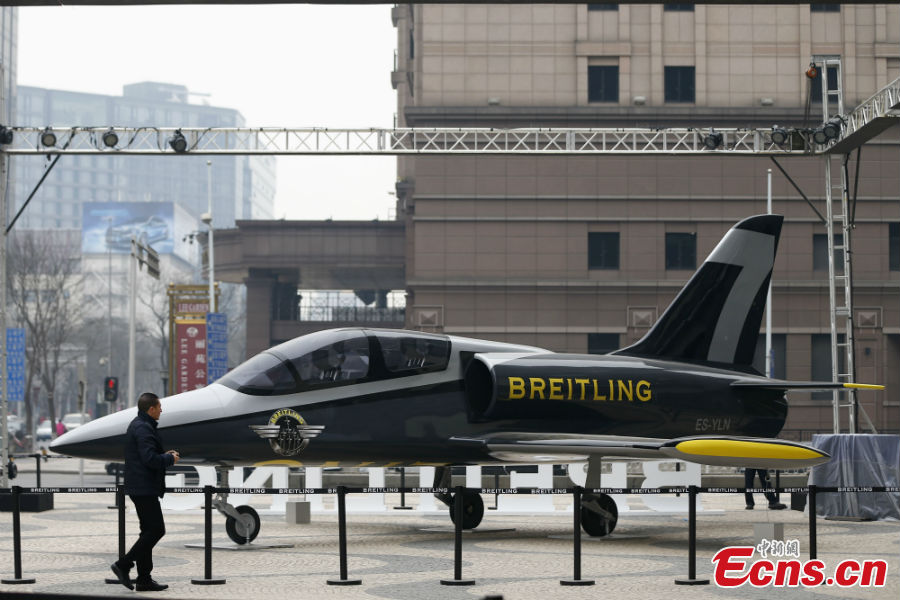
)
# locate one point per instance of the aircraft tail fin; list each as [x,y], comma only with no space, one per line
[716,316]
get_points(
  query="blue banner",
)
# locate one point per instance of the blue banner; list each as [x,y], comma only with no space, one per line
[216,346]
[15,364]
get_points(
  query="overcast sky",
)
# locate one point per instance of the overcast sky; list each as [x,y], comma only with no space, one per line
[280,66]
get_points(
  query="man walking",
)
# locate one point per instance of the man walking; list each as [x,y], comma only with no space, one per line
[145,477]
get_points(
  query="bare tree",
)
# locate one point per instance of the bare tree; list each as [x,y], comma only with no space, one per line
[44,271]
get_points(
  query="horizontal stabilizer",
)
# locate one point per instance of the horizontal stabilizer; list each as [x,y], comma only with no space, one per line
[778,384]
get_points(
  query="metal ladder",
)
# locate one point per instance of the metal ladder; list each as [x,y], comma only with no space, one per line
[840,280]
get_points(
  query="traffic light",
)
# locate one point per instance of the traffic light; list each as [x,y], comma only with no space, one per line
[152,262]
[111,389]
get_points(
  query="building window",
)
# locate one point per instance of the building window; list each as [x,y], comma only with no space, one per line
[681,251]
[602,343]
[824,8]
[679,84]
[894,245]
[603,250]
[603,84]
[820,357]
[684,7]
[820,252]
[815,84]
[779,355]
[602,6]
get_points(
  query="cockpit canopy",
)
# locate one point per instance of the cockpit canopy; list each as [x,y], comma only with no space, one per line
[338,357]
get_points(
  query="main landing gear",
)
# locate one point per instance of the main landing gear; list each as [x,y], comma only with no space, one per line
[599,514]
[473,505]
[241,522]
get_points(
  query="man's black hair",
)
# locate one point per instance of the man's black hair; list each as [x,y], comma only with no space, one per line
[147,401]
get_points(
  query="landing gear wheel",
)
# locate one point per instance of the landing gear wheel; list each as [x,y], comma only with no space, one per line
[599,514]
[244,529]
[473,509]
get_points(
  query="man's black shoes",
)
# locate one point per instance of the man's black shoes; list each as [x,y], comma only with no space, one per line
[150,586]
[776,506]
[122,575]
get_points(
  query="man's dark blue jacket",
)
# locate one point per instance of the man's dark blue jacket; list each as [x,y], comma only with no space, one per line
[145,460]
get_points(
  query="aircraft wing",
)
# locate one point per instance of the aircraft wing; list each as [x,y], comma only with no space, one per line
[729,451]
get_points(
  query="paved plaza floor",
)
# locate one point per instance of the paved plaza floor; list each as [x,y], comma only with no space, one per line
[404,554]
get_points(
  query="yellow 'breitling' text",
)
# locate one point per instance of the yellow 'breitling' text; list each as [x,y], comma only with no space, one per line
[577,388]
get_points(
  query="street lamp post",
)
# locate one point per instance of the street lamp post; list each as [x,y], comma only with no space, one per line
[207,219]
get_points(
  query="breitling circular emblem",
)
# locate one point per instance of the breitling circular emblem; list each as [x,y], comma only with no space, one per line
[289,440]
[287,432]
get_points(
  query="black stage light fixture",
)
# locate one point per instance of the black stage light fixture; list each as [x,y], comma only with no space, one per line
[712,141]
[110,139]
[177,142]
[48,138]
[780,135]
[832,128]
[6,135]
[818,135]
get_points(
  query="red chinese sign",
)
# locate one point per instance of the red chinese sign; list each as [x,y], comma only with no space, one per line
[190,355]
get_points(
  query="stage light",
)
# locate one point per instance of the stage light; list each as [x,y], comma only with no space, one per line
[712,141]
[812,72]
[780,135]
[832,128]
[819,136]
[6,135]
[177,142]
[48,138]
[110,139]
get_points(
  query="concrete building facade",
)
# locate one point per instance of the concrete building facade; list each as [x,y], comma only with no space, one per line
[582,254]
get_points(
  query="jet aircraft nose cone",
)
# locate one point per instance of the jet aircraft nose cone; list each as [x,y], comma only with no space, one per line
[101,439]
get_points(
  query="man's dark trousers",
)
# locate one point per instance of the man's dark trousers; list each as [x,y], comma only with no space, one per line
[153,528]
[749,475]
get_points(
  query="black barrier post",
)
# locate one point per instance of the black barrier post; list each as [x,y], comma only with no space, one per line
[207,541]
[342,540]
[692,542]
[120,504]
[812,522]
[37,458]
[777,485]
[496,494]
[403,505]
[576,553]
[17,540]
[458,502]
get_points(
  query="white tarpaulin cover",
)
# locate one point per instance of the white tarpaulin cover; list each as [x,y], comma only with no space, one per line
[858,460]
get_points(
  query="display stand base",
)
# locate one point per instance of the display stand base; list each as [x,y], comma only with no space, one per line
[689,581]
[16,581]
[457,582]
[576,582]
[207,581]
[344,582]
[240,547]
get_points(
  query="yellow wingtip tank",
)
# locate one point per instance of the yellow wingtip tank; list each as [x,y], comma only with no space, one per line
[747,453]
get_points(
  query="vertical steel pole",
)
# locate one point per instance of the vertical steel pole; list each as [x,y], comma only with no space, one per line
[132,303]
[692,541]
[770,363]
[342,541]
[207,541]
[17,539]
[812,522]
[576,551]
[458,515]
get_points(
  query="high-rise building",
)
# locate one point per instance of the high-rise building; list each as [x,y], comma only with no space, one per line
[243,186]
[582,253]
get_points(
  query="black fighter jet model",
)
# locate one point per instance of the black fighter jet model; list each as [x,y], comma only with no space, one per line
[377,397]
